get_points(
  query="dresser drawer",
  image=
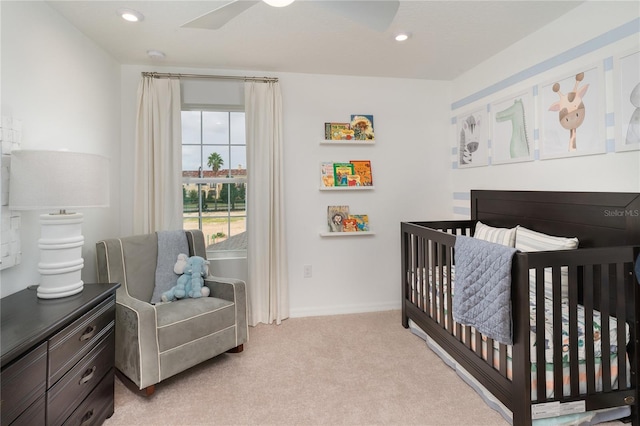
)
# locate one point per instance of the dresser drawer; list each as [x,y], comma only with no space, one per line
[72,343]
[22,383]
[35,415]
[97,406]
[74,386]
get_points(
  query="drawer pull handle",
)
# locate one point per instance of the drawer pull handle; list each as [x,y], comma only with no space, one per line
[88,333]
[88,375]
[86,418]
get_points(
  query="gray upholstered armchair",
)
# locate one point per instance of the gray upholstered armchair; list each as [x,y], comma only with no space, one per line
[157,341]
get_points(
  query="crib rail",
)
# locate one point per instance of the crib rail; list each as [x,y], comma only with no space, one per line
[599,280]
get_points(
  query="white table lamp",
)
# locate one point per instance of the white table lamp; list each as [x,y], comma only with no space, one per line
[58,180]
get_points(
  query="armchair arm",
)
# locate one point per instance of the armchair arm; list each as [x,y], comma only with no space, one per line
[136,343]
[235,291]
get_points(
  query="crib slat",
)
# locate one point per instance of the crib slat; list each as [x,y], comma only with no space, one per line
[621,315]
[588,325]
[605,343]
[440,285]
[449,288]
[573,331]
[503,360]
[541,341]
[557,334]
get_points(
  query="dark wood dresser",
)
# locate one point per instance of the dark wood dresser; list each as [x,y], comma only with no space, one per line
[58,357]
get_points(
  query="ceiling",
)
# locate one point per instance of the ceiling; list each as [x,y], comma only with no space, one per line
[447,37]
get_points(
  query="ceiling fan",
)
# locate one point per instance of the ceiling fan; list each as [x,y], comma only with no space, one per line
[375,14]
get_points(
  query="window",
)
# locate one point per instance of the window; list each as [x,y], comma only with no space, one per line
[214,172]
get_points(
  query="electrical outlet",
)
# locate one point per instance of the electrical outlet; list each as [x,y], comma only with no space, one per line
[307,271]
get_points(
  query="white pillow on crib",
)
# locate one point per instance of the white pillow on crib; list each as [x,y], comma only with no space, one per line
[528,240]
[504,236]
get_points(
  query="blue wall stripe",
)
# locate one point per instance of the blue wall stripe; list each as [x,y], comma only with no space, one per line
[611,145]
[596,43]
[462,210]
[609,118]
[454,165]
[608,63]
[464,196]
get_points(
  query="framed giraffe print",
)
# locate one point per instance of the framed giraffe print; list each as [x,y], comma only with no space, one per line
[572,117]
[512,123]
[472,138]
[626,78]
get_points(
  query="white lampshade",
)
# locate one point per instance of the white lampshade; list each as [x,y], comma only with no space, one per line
[59,180]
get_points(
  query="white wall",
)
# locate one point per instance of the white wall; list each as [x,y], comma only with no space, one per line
[411,160]
[585,37]
[352,274]
[65,90]
[357,273]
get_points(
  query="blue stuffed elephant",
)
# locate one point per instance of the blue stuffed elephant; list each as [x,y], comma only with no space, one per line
[191,282]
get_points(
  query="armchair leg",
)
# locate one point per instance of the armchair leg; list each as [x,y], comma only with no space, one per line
[236,350]
[148,391]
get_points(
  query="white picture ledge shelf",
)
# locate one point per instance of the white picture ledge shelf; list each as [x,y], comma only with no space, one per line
[346,234]
[346,142]
[346,188]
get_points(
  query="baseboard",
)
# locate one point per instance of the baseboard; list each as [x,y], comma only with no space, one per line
[343,309]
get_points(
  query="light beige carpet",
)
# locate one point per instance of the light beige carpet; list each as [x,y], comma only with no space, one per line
[360,369]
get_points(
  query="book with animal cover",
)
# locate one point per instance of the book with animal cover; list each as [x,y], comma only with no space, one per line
[326,174]
[353,180]
[338,131]
[335,216]
[362,127]
[349,225]
[362,168]
[362,221]
[341,172]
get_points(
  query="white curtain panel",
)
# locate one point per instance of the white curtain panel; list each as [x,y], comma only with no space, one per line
[268,284]
[157,204]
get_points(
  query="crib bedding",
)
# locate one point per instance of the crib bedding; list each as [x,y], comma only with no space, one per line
[433,304]
[587,418]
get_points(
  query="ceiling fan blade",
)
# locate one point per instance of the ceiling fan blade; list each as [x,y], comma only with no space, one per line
[374,14]
[218,17]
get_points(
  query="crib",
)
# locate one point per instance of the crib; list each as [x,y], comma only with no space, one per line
[589,360]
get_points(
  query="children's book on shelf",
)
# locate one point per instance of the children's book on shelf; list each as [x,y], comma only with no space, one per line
[353,180]
[336,216]
[349,225]
[338,131]
[341,172]
[362,127]
[326,174]
[362,221]
[362,168]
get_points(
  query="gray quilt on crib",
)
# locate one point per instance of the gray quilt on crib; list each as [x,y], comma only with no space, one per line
[483,287]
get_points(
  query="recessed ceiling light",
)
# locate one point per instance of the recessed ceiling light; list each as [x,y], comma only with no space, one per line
[155,54]
[130,15]
[402,36]
[278,3]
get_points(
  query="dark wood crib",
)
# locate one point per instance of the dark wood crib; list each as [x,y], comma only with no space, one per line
[601,278]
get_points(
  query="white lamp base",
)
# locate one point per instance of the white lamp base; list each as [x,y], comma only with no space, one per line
[61,260]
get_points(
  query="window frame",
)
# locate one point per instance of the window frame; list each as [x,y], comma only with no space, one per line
[215,254]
